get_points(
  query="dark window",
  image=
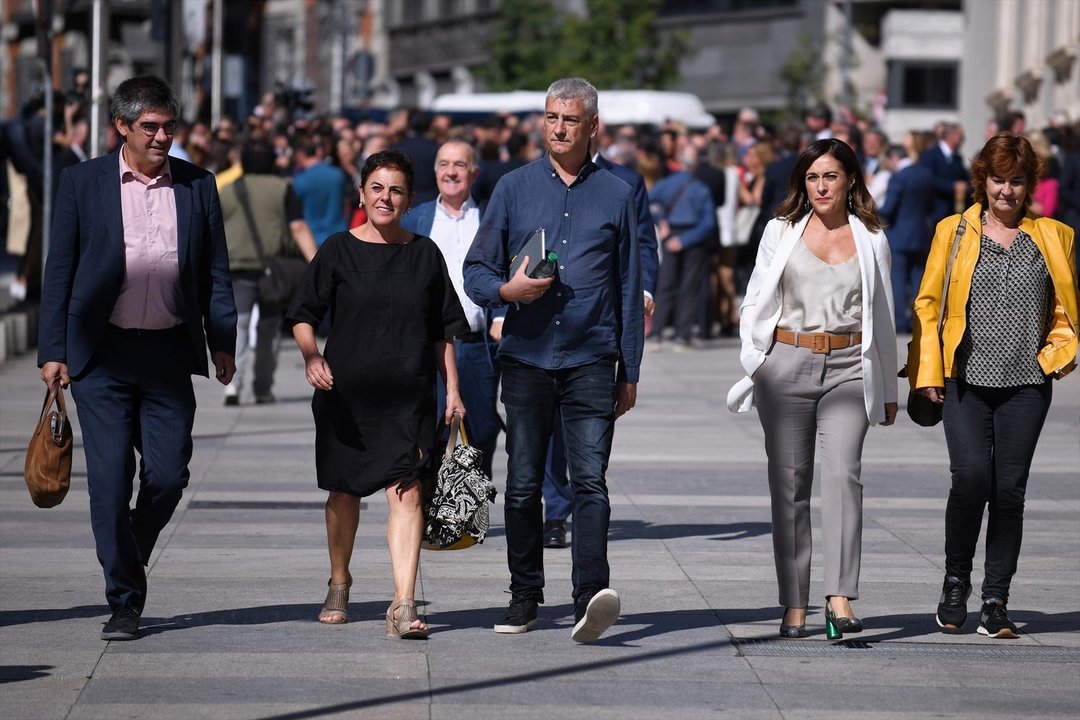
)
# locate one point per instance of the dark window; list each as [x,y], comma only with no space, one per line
[923,85]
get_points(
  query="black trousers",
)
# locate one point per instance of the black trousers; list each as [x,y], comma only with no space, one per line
[678,290]
[991,434]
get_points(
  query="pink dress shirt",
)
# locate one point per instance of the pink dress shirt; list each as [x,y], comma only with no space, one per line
[150,296]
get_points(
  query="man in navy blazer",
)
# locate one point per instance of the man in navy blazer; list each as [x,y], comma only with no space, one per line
[947,173]
[451,220]
[909,201]
[136,287]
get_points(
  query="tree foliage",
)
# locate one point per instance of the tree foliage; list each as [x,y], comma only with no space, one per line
[615,44]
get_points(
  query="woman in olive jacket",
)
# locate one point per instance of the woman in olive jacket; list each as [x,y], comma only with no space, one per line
[1010,326]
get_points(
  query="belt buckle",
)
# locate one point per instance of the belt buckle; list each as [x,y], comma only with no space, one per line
[819,344]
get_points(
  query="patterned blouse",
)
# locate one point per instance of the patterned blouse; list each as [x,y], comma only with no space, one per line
[1010,311]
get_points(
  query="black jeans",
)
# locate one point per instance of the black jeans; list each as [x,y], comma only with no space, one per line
[584,398]
[991,434]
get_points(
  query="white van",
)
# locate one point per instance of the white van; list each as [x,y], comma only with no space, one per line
[617,107]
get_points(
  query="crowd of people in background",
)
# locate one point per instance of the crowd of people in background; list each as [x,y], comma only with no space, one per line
[740,175]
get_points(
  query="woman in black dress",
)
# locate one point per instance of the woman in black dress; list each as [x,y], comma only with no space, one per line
[394,316]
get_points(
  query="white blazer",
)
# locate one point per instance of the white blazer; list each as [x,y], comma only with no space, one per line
[763,304]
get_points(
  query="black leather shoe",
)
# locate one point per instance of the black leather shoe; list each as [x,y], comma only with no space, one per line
[265,399]
[232,400]
[123,625]
[792,632]
[555,534]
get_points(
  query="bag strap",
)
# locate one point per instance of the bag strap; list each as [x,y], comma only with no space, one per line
[55,394]
[457,427]
[960,229]
[242,196]
[678,194]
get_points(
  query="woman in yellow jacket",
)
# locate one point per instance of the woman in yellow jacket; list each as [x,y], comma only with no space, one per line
[1009,326]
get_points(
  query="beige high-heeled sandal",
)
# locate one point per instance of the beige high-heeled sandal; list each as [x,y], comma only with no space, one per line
[335,609]
[401,626]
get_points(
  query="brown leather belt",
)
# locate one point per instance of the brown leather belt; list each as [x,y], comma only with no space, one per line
[820,343]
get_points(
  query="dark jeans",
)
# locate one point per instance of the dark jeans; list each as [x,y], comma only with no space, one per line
[137,397]
[558,498]
[584,398]
[991,434]
[678,290]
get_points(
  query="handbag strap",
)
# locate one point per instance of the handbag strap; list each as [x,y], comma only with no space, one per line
[55,394]
[457,427]
[242,197]
[960,229]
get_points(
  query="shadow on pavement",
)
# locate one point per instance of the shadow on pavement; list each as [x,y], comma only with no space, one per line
[24,617]
[261,615]
[644,530]
[428,694]
[19,673]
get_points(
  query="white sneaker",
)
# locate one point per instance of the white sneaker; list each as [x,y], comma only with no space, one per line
[600,614]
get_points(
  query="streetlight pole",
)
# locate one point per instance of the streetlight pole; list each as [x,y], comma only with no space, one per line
[99,49]
[216,67]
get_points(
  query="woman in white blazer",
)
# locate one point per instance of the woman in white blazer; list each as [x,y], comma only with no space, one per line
[819,350]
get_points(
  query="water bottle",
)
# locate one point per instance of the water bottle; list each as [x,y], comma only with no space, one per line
[546,268]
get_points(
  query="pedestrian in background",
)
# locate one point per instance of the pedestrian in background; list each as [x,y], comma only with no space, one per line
[451,221]
[906,214]
[819,350]
[263,204]
[137,286]
[1009,327]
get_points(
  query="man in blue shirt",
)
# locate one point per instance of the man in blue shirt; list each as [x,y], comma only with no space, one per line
[323,190]
[571,345]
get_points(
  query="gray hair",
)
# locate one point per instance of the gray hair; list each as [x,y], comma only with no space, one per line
[457,141]
[575,89]
[140,94]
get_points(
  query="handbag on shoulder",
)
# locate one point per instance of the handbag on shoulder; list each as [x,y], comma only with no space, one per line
[48,457]
[456,515]
[921,409]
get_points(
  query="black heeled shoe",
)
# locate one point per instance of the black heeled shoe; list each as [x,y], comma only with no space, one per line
[835,627]
[792,632]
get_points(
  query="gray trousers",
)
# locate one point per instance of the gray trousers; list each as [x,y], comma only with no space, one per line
[802,397]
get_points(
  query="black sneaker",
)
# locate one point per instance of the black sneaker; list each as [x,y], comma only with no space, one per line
[521,617]
[232,400]
[600,614]
[265,399]
[555,534]
[952,607]
[994,621]
[123,625]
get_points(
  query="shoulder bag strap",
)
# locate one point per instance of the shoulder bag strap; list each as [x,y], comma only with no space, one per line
[948,272]
[242,197]
[678,194]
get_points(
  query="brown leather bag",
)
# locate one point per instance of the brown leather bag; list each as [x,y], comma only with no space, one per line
[48,457]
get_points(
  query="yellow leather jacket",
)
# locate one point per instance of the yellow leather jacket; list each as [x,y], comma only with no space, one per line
[930,358]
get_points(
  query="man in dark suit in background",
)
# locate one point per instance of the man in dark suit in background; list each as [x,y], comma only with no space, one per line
[952,183]
[906,212]
[136,286]
[421,150]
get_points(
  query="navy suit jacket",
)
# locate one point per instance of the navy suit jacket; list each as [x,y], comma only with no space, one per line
[944,172]
[86,264]
[909,201]
[650,259]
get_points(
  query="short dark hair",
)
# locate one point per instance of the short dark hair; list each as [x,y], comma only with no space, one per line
[797,204]
[394,159]
[140,94]
[257,157]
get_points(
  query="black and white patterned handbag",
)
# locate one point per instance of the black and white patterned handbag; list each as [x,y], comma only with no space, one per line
[456,514]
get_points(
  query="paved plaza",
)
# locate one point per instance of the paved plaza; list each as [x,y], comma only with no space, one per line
[237,579]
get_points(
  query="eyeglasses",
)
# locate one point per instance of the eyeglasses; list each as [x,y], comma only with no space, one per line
[151,129]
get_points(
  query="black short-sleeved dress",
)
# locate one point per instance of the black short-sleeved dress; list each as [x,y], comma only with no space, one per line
[390,304]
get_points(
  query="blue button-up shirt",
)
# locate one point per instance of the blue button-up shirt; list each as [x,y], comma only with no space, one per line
[594,308]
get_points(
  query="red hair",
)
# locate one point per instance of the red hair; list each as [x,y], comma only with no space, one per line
[1006,155]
